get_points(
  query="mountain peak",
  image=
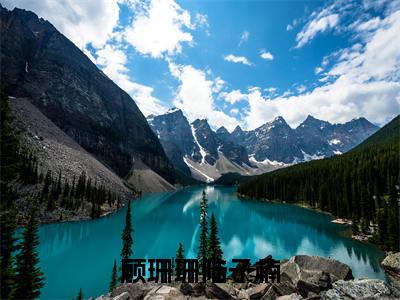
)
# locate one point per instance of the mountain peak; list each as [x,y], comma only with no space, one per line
[279,120]
[237,129]
[174,110]
[222,129]
[311,121]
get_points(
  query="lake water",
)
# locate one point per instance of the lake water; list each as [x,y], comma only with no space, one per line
[80,254]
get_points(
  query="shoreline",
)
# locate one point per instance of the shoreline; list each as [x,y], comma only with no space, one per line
[363,238]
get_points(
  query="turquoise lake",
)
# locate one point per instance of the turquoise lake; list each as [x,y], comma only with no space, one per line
[77,255]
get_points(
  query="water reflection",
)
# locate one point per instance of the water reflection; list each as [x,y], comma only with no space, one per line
[83,252]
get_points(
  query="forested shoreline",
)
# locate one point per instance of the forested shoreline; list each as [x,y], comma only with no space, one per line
[361,185]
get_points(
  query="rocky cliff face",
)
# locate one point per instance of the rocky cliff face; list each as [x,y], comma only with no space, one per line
[39,63]
[195,149]
[312,139]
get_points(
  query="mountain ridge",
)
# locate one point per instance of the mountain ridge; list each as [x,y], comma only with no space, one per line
[74,94]
[272,145]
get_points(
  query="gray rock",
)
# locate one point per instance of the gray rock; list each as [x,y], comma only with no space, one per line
[123,296]
[392,261]
[137,291]
[391,265]
[258,291]
[305,288]
[164,292]
[279,289]
[314,268]
[217,291]
[186,289]
[293,296]
[359,289]
[199,289]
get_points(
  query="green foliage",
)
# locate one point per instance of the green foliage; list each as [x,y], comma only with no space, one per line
[114,277]
[214,245]
[9,143]
[80,295]
[29,278]
[7,247]
[349,186]
[203,242]
[180,253]
[127,240]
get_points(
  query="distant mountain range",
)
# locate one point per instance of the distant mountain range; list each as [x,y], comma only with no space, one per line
[196,150]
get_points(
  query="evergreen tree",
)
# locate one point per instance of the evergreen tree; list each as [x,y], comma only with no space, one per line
[9,143]
[47,182]
[114,277]
[203,243]
[29,278]
[214,245]
[127,240]
[80,295]
[7,247]
[180,253]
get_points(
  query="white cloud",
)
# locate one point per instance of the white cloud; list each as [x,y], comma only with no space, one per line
[112,61]
[233,96]
[234,111]
[195,96]
[237,59]
[289,27]
[83,22]
[160,27]
[301,88]
[266,55]
[318,70]
[244,37]
[362,82]
[315,26]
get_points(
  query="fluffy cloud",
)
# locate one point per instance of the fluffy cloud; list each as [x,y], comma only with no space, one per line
[237,59]
[266,55]
[83,22]
[314,27]
[244,37]
[233,96]
[160,27]
[195,96]
[363,81]
[112,61]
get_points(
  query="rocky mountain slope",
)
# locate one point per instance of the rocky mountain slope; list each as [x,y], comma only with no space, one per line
[41,64]
[197,150]
[57,151]
[312,139]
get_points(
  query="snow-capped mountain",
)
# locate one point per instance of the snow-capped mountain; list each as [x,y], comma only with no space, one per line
[312,139]
[196,150]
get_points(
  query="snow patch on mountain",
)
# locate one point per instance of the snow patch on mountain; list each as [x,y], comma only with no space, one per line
[203,152]
[334,142]
[308,157]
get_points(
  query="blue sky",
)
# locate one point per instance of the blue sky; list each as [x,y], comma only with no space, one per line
[242,62]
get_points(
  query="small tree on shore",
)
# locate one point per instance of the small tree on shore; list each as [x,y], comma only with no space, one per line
[127,240]
[80,295]
[114,277]
[29,278]
[203,242]
[180,253]
[214,245]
